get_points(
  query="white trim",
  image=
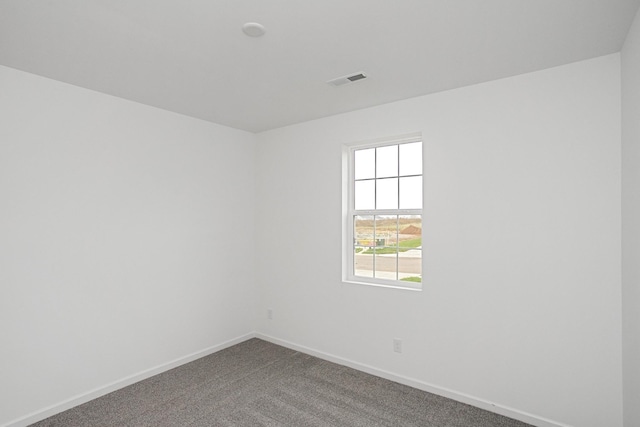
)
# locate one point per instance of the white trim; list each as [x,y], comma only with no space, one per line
[373,212]
[348,212]
[400,139]
[421,385]
[371,282]
[121,383]
[346,179]
[383,283]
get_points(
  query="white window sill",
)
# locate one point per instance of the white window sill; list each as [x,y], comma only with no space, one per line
[381,285]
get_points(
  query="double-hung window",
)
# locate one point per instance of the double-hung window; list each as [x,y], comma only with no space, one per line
[384,215]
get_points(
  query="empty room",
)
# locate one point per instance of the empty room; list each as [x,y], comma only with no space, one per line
[320,213]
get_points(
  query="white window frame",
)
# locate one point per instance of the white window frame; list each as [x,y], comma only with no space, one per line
[349,211]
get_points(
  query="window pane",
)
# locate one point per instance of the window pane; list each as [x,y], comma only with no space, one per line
[386,251]
[363,262]
[364,194]
[387,161]
[411,192]
[410,248]
[410,266]
[411,159]
[410,228]
[364,233]
[386,264]
[365,164]
[387,193]
[386,230]
[364,239]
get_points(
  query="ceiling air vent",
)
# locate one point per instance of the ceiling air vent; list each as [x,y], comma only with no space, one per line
[347,79]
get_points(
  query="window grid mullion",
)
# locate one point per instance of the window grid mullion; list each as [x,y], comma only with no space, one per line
[375,206]
[397,246]
[387,212]
[398,176]
[375,178]
[388,177]
[374,246]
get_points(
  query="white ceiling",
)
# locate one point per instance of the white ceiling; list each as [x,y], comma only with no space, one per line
[191,57]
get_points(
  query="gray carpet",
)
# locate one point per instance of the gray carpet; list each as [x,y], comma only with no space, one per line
[257,383]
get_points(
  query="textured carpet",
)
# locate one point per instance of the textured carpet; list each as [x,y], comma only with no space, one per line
[257,383]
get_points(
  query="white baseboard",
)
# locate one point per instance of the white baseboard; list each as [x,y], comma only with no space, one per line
[124,382]
[431,388]
[441,391]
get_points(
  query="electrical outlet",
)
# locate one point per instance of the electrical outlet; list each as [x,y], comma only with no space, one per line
[397,345]
[269,314]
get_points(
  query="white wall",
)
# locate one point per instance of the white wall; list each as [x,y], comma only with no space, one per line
[125,239]
[631,224]
[119,250]
[522,294]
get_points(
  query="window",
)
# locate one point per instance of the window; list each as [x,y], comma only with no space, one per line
[383,238]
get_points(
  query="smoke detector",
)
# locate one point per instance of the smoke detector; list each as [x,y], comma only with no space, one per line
[347,79]
[253,29]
